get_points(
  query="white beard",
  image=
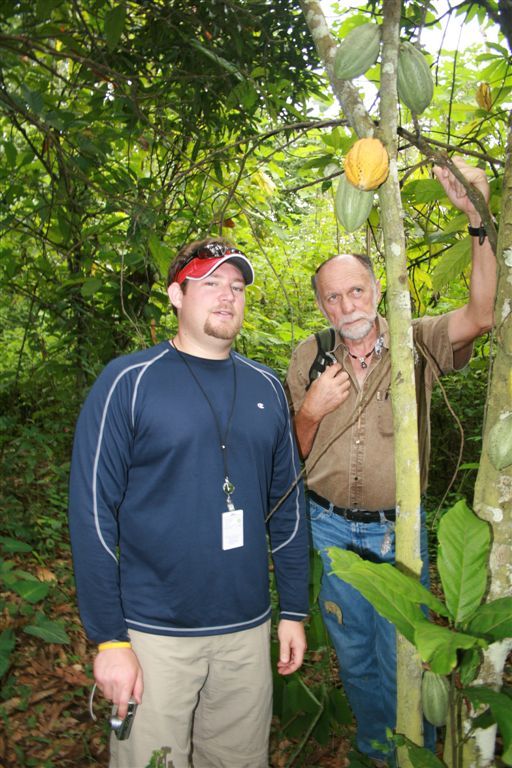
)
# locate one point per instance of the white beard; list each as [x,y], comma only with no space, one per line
[364,325]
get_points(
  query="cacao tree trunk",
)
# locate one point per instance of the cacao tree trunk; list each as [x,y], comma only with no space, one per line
[399,316]
[493,490]
[403,390]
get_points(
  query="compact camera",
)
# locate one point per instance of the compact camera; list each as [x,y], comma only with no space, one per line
[122,727]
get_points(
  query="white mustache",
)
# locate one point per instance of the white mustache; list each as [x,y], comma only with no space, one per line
[356,316]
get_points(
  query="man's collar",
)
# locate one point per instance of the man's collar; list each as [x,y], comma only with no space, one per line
[383,330]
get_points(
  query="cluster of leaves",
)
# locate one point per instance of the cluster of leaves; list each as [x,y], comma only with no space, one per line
[310,704]
[454,645]
[123,130]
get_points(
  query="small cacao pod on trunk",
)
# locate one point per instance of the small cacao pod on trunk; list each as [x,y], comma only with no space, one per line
[435,690]
[500,442]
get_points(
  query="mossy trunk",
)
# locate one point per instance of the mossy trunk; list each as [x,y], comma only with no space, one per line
[399,317]
[403,391]
[493,490]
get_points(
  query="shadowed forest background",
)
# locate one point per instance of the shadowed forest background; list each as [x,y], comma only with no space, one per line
[128,129]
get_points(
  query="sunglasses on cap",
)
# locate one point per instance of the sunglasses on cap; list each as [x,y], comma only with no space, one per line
[207,258]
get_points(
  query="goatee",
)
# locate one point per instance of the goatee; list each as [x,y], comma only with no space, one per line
[221,331]
[360,331]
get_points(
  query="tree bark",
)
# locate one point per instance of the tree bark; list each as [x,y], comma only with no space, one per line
[493,489]
[399,316]
[403,390]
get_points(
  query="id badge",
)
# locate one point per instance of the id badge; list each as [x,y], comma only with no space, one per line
[233,529]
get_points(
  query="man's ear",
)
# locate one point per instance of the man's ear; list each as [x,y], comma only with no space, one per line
[175,295]
[322,310]
[379,290]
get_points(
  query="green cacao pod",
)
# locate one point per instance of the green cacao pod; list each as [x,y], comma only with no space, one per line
[500,442]
[414,78]
[352,205]
[435,690]
[357,52]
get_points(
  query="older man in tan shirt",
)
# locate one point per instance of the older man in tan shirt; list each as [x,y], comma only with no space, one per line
[344,428]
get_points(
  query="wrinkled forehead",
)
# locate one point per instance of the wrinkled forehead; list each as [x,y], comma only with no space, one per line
[343,270]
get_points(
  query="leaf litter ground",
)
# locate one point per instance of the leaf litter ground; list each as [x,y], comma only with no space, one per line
[45,705]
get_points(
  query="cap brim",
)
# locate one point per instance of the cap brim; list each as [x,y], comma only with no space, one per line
[201,268]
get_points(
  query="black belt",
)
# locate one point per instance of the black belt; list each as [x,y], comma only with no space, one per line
[355,515]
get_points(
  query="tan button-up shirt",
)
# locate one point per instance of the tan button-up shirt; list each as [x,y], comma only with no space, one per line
[352,459]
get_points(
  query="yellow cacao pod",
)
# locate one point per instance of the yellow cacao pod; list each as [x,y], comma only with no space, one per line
[357,52]
[352,205]
[414,78]
[483,97]
[367,164]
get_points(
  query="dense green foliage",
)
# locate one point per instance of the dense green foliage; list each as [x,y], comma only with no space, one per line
[129,128]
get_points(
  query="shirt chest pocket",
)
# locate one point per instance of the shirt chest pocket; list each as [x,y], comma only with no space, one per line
[384,413]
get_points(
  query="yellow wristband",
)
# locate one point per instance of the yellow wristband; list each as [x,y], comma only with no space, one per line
[114,644]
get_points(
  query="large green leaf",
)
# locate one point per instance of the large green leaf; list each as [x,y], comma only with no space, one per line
[31,591]
[7,643]
[220,60]
[451,264]
[316,632]
[392,578]
[91,285]
[422,191]
[161,254]
[501,708]
[391,592]
[11,153]
[493,619]
[463,552]
[316,569]
[439,645]
[114,25]
[14,545]
[421,757]
[469,664]
[48,630]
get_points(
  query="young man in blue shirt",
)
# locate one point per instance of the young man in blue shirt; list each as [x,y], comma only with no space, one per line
[184,462]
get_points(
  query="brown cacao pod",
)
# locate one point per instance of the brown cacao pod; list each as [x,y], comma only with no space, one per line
[414,78]
[367,164]
[357,52]
[352,205]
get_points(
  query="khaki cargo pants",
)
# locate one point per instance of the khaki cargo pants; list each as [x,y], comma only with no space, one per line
[207,702]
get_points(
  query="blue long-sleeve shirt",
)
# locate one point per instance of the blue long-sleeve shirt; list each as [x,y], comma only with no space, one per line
[146,497]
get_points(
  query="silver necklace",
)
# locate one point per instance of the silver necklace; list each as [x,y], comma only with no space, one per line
[377,348]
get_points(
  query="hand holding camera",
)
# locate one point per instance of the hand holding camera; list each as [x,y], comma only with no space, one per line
[123,726]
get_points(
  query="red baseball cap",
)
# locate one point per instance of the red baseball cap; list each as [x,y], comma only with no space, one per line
[200,267]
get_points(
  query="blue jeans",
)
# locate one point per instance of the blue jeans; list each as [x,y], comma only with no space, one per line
[365,643]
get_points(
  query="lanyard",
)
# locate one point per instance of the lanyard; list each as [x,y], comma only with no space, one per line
[227,486]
